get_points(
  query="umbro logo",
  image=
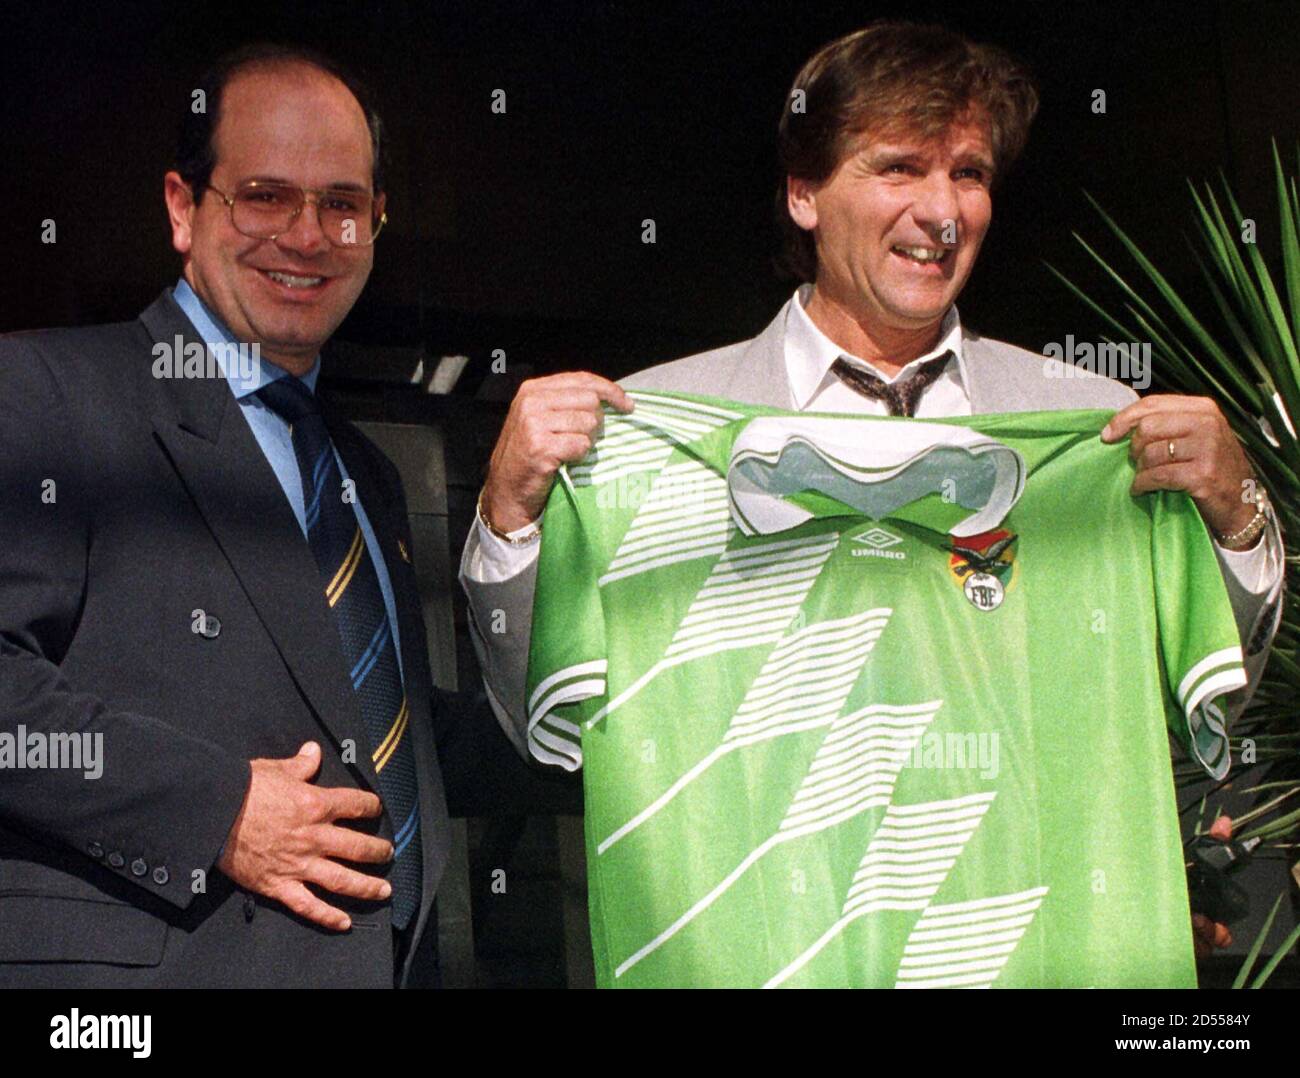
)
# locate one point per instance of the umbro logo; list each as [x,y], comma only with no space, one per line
[878,538]
[875,543]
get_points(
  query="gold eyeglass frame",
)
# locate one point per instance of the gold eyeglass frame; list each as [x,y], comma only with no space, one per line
[304,192]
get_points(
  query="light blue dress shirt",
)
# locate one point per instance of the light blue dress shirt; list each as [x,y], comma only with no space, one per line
[272,434]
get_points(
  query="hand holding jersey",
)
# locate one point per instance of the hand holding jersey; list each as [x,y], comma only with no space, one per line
[837,685]
[551,421]
[1185,443]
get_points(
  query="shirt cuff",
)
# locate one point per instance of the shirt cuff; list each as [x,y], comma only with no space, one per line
[1256,569]
[491,560]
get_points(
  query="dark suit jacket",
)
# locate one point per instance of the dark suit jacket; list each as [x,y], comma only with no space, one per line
[164,506]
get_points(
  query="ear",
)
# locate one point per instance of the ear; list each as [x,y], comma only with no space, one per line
[801,201]
[180,211]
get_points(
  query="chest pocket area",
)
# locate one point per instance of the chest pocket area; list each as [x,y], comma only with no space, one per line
[223,676]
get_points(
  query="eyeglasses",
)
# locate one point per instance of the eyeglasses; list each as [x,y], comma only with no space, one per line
[263,211]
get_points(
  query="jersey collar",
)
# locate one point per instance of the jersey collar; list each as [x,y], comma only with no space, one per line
[784,472]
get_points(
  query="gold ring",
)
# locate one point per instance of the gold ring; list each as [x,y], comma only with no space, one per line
[1171,450]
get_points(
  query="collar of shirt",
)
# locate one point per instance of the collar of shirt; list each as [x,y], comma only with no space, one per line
[809,353]
[213,331]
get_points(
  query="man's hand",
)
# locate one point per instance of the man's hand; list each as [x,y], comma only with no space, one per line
[285,837]
[552,421]
[1207,460]
[1207,934]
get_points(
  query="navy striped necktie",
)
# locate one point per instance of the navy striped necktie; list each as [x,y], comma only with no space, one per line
[361,617]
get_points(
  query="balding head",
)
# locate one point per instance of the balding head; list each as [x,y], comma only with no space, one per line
[196,151]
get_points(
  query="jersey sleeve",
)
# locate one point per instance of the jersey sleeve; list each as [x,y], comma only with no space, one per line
[1200,647]
[567,651]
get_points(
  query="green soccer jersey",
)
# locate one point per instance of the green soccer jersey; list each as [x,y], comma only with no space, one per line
[875,701]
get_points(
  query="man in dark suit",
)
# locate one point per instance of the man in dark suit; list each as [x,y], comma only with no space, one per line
[216,737]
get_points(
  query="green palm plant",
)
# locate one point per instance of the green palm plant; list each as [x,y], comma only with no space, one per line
[1241,350]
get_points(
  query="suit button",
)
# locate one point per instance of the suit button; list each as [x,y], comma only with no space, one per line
[138,867]
[95,850]
[250,907]
[161,876]
[116,859]
[211,627]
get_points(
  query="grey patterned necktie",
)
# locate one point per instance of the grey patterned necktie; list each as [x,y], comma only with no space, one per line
[899,397]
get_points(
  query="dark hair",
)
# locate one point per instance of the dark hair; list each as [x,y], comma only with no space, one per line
[889,76]
[196,156]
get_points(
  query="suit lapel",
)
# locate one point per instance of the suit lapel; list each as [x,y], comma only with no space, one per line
[988,385]
[200,426]
[760,374]
[975,370]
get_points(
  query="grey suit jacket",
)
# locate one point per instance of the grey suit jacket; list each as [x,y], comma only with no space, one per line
[1001,378]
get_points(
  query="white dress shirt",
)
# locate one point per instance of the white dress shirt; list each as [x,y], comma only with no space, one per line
[809,355]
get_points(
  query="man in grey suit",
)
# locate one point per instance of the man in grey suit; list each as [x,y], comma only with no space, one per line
[891,144]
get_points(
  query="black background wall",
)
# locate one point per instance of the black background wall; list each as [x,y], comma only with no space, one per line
[523,231]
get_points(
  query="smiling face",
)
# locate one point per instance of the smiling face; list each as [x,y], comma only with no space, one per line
[298,125]
[897,227]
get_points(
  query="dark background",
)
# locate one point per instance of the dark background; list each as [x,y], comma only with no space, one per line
[523,231]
